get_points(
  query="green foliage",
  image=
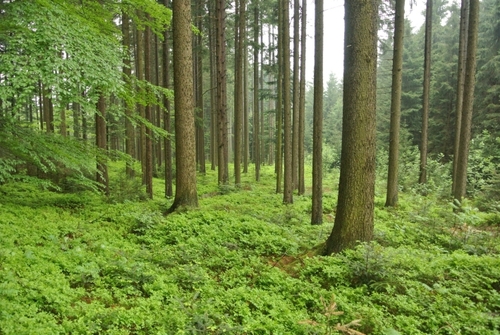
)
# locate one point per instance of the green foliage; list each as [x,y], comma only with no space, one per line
[240,264]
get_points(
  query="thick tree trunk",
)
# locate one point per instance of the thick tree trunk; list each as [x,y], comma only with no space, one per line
[469,83]
[355,208]
[185,146]
[317,175]
[397,75]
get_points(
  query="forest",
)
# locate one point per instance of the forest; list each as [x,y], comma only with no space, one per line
[168,167]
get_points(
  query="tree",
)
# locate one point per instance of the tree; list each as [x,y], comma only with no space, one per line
[127,72]
[426,93]
[302,98]
[287,124]
[296,94]
[238,90]
[397,73]
[355,208]
[101,143]
[221,98]
[317,192]
[469,83]
[462,48]
[148,135]
[166,116]
[185,146]
[256,114]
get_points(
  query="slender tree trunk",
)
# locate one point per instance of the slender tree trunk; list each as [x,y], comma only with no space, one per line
[213,91]
[198,67]
[246,130]
[469,83]
[397,74]
[100,126]
[287,125]
[185,142]
[127,72]
[238,91]
[63,128]
[355,207]
[296,94]
[302,100]
[256,111]
[77,113]
[148,172]
[462,48]
[166,115]
[223,176]
[139,60]
[279,104]
[426,93]
[317,175]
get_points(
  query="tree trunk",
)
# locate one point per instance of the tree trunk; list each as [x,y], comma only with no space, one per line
[222,140]
[238,90]
[426,93]
[462,48]
[139,63]
[166,115]
[355,207]
[256,111]
[185,146]
[397,74]
[127,72]
[469,83]
[296,94]
[246,128]
[317,175]
[302,100]
[100,131]
[148,172]
[287,125]
[279,104]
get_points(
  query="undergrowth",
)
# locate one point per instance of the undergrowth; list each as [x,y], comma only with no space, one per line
[243,263]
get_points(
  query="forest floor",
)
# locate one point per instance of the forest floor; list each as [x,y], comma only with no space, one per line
[243,263]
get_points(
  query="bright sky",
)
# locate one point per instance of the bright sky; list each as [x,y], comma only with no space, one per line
[334,35]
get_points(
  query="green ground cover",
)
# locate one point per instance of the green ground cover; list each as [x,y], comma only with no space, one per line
[243,263]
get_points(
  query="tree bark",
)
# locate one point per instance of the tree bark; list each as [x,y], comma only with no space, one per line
[317,175]
[355,207]
[256,111]
[287,125]
[462,48]
[222,140]
[148,165]
[296,94]
[185,142]
[397,74]
[469,83]
[426,93]
[127,72]
[166,115]
[302,99]
[100,131]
